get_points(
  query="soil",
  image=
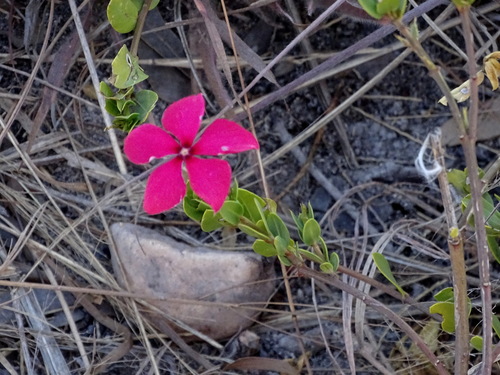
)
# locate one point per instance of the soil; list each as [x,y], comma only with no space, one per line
[360,179]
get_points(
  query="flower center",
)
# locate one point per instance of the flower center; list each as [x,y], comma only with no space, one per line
[185,151]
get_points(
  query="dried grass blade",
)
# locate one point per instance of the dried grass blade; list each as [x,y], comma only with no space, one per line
[209,18]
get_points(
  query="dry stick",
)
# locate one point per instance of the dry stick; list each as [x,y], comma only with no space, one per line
[95,81]
[469,146]
[380,308]
[456,247]
[332,61]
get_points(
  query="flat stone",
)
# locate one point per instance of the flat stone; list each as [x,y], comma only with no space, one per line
[156,265]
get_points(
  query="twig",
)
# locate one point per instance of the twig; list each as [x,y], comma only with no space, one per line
[456,247]
[95,81]
[469,146]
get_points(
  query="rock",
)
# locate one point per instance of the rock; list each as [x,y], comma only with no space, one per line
[156,265]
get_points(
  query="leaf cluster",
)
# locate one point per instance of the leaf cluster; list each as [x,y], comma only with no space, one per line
[257,217]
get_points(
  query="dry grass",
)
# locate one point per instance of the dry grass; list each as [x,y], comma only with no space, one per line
[64,181]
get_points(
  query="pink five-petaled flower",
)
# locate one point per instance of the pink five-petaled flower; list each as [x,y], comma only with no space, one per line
[210,179]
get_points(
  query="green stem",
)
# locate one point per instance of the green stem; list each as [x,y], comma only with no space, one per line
[139,26]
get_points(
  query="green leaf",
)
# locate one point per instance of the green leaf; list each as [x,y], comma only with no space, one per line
[277,227]
[311,256]
[477,343]
[445,295]
[122,15]
[252,232]
[144,103]
[126,70]
[284,260]
[334,261]
[384,268]
[250,201]
[447,311]
[327,267]
[210,221]
[496,325]
[232,211]
[280,244]
[494,248]
[387,6]
[190,207]
[311,232]
[370,7]
[106,90]
[264,248]
[139,3]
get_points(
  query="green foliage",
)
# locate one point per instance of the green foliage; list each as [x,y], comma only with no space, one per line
[211,221]
[477,343]
[380,8]
[446,308]
[385,269]
[122,14]
[311,232]
[231,212]
[126,70]
[251,203]
[129,108]
[264,248]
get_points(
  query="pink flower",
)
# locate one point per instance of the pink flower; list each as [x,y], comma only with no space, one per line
[210,179]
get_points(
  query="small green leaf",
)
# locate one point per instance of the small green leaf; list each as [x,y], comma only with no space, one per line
[334,261]
[310,256]
[210,221]
[445,295]
[496,325]
[106,90]
[264,248]
[249,201]
[232,211]
[370,7]
[385,269]
[139,3]
[191,209]
[284,260]
[280,244]
[311,232]
[122,15]
[494,248]
[144,103]
[387,6]
[278,228]
[326,267]
[447,311]
[126,70]
[458,179]
[252,232]
[477,343]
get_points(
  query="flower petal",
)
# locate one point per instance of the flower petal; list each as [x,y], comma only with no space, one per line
[224,137]
[165,187]
[210,179]
[149,141]
[183,118]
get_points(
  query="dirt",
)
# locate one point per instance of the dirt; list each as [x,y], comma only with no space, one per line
[358,182]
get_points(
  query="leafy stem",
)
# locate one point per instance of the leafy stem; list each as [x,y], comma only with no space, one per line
[139,26]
